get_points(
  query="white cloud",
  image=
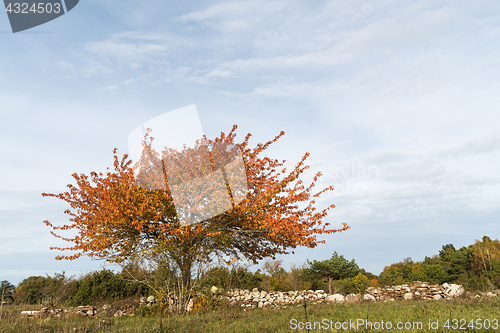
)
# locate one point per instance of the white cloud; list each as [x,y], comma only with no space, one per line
[231,9]
[129,47]
[110,89]
[66,65]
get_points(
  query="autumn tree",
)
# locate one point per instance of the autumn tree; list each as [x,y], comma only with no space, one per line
[360,282]
[335,268]
[296,277]
[485,255]
[401,272]
[431,270]
[116,218]
[417,273]
[278,275]
[392,276]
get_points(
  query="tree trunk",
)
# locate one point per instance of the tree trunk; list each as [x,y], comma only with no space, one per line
[186,277]
[184,295]
[330,285]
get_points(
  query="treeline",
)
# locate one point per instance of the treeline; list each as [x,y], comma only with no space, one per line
[92,288]
[476,266]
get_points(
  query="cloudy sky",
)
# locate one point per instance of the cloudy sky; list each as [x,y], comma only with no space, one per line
[397,102]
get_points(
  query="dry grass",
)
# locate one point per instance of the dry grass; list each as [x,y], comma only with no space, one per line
[233,319]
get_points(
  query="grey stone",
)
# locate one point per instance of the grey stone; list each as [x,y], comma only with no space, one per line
[119,313]
[352,298]
[455,290]
[335,298]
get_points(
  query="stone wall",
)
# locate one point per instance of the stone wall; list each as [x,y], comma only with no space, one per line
[274,299]
[254,298]
[89,311]
[415,290]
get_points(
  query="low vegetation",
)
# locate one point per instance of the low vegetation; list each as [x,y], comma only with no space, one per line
[429,314]
[476,267]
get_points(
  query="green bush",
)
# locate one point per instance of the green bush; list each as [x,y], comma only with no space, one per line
[237,277]
[335,268]
[493,278]
[217,276]
[30,290]
[244,279]
[392,276]
[54,290]
[360,282]
[100,286]
[147,311]
[6,291]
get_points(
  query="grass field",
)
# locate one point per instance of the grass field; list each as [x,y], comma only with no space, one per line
[462,315]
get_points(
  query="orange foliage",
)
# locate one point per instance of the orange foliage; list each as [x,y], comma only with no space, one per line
[115,217]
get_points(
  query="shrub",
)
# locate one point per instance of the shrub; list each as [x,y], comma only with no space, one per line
[244,279]
[147,310]
[6,291]
[211,301]
[391,276]
[296,278]
[344,287]
[237,277]
[277,275]
[360,282]
[374,283]
[335,268]
[30,290]
[216,276]
[103,285]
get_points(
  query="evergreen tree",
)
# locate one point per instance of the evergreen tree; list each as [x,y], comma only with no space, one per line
[6,291]
[335,268]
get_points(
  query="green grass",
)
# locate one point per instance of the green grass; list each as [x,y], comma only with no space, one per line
[267,320]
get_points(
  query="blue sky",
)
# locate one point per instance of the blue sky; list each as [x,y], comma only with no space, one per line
[397,102]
